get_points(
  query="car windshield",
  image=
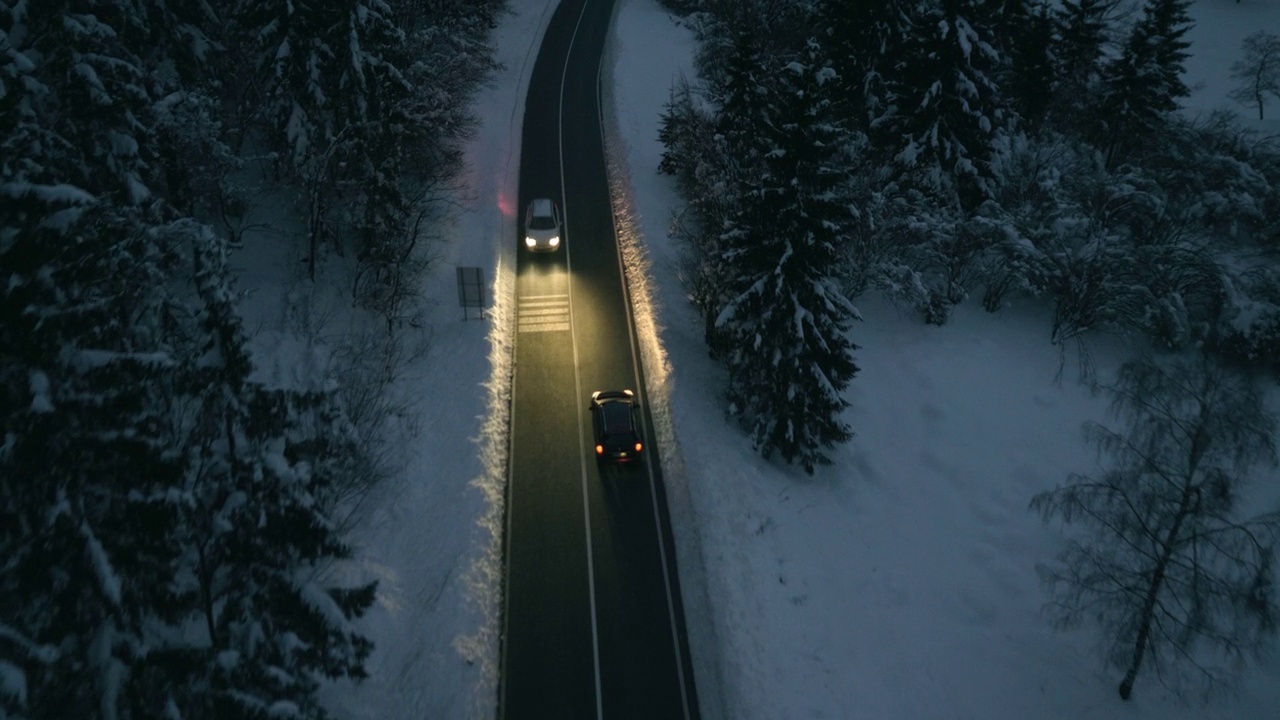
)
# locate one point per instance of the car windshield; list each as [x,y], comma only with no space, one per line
[617,418]
[542,222]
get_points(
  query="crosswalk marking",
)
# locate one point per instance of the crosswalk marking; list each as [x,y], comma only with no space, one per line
[543,313]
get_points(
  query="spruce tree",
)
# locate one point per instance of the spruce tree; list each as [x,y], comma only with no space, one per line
[1079,48]
[84,358]
[944,107]
[87,455]
[1025,31]
[786,324]
[261,467]
[1143,85]
[186,61]
[744,98]
[106,369]
[295,45]
[857,34]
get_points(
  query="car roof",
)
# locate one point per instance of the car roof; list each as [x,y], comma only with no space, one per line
[617,417]
[541,206]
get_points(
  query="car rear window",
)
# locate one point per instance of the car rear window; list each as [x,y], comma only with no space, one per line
[617,418]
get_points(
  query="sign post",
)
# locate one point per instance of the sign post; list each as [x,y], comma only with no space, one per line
[470,290]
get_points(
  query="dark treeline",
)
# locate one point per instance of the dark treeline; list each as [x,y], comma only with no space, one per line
[1004,148]
[165,522]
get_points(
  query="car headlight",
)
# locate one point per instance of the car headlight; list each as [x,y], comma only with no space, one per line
[530,242]
[554,242]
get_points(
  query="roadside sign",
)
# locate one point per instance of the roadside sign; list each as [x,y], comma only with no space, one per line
[471,290]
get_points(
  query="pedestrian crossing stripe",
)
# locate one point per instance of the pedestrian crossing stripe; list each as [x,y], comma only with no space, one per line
[543,313]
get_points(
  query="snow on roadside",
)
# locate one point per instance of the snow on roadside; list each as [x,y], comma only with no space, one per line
[432,537]
[900,582]
[619,132]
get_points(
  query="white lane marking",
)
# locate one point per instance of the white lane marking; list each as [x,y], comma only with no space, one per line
[525,79]
[635,363]
[577,382]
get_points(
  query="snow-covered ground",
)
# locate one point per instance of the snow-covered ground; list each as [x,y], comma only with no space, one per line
[433,536]
[898,583]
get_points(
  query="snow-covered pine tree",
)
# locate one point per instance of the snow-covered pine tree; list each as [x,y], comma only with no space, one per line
[1080,50]
[86,462]
[744,98]
[294,64]
[726,172]
[785,327]
[1143,85]
[370,103]
[84,361]
[373,105]
[945,108]
[102,365]
[857,34]
[366,106]
[191,34]
[1024,29]
[184,55]
[93,95]
[738,42]
[261,469]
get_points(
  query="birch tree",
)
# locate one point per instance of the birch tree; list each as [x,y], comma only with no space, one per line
[1258,72]
[1162,560]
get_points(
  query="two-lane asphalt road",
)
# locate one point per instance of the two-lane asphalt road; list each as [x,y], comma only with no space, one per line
[593,621]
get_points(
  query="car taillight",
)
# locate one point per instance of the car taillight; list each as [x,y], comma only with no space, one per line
[599,449]
[637,447]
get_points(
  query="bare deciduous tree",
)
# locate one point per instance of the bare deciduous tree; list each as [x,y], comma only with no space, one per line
[1258,72]
[1164,566]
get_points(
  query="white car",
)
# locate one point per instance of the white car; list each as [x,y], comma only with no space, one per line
[542,226]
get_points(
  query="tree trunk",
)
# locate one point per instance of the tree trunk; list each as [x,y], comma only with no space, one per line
[206,595]
[1157,582]
[313,226]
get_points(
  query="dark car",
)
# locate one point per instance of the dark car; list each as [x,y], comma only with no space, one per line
[615,421]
